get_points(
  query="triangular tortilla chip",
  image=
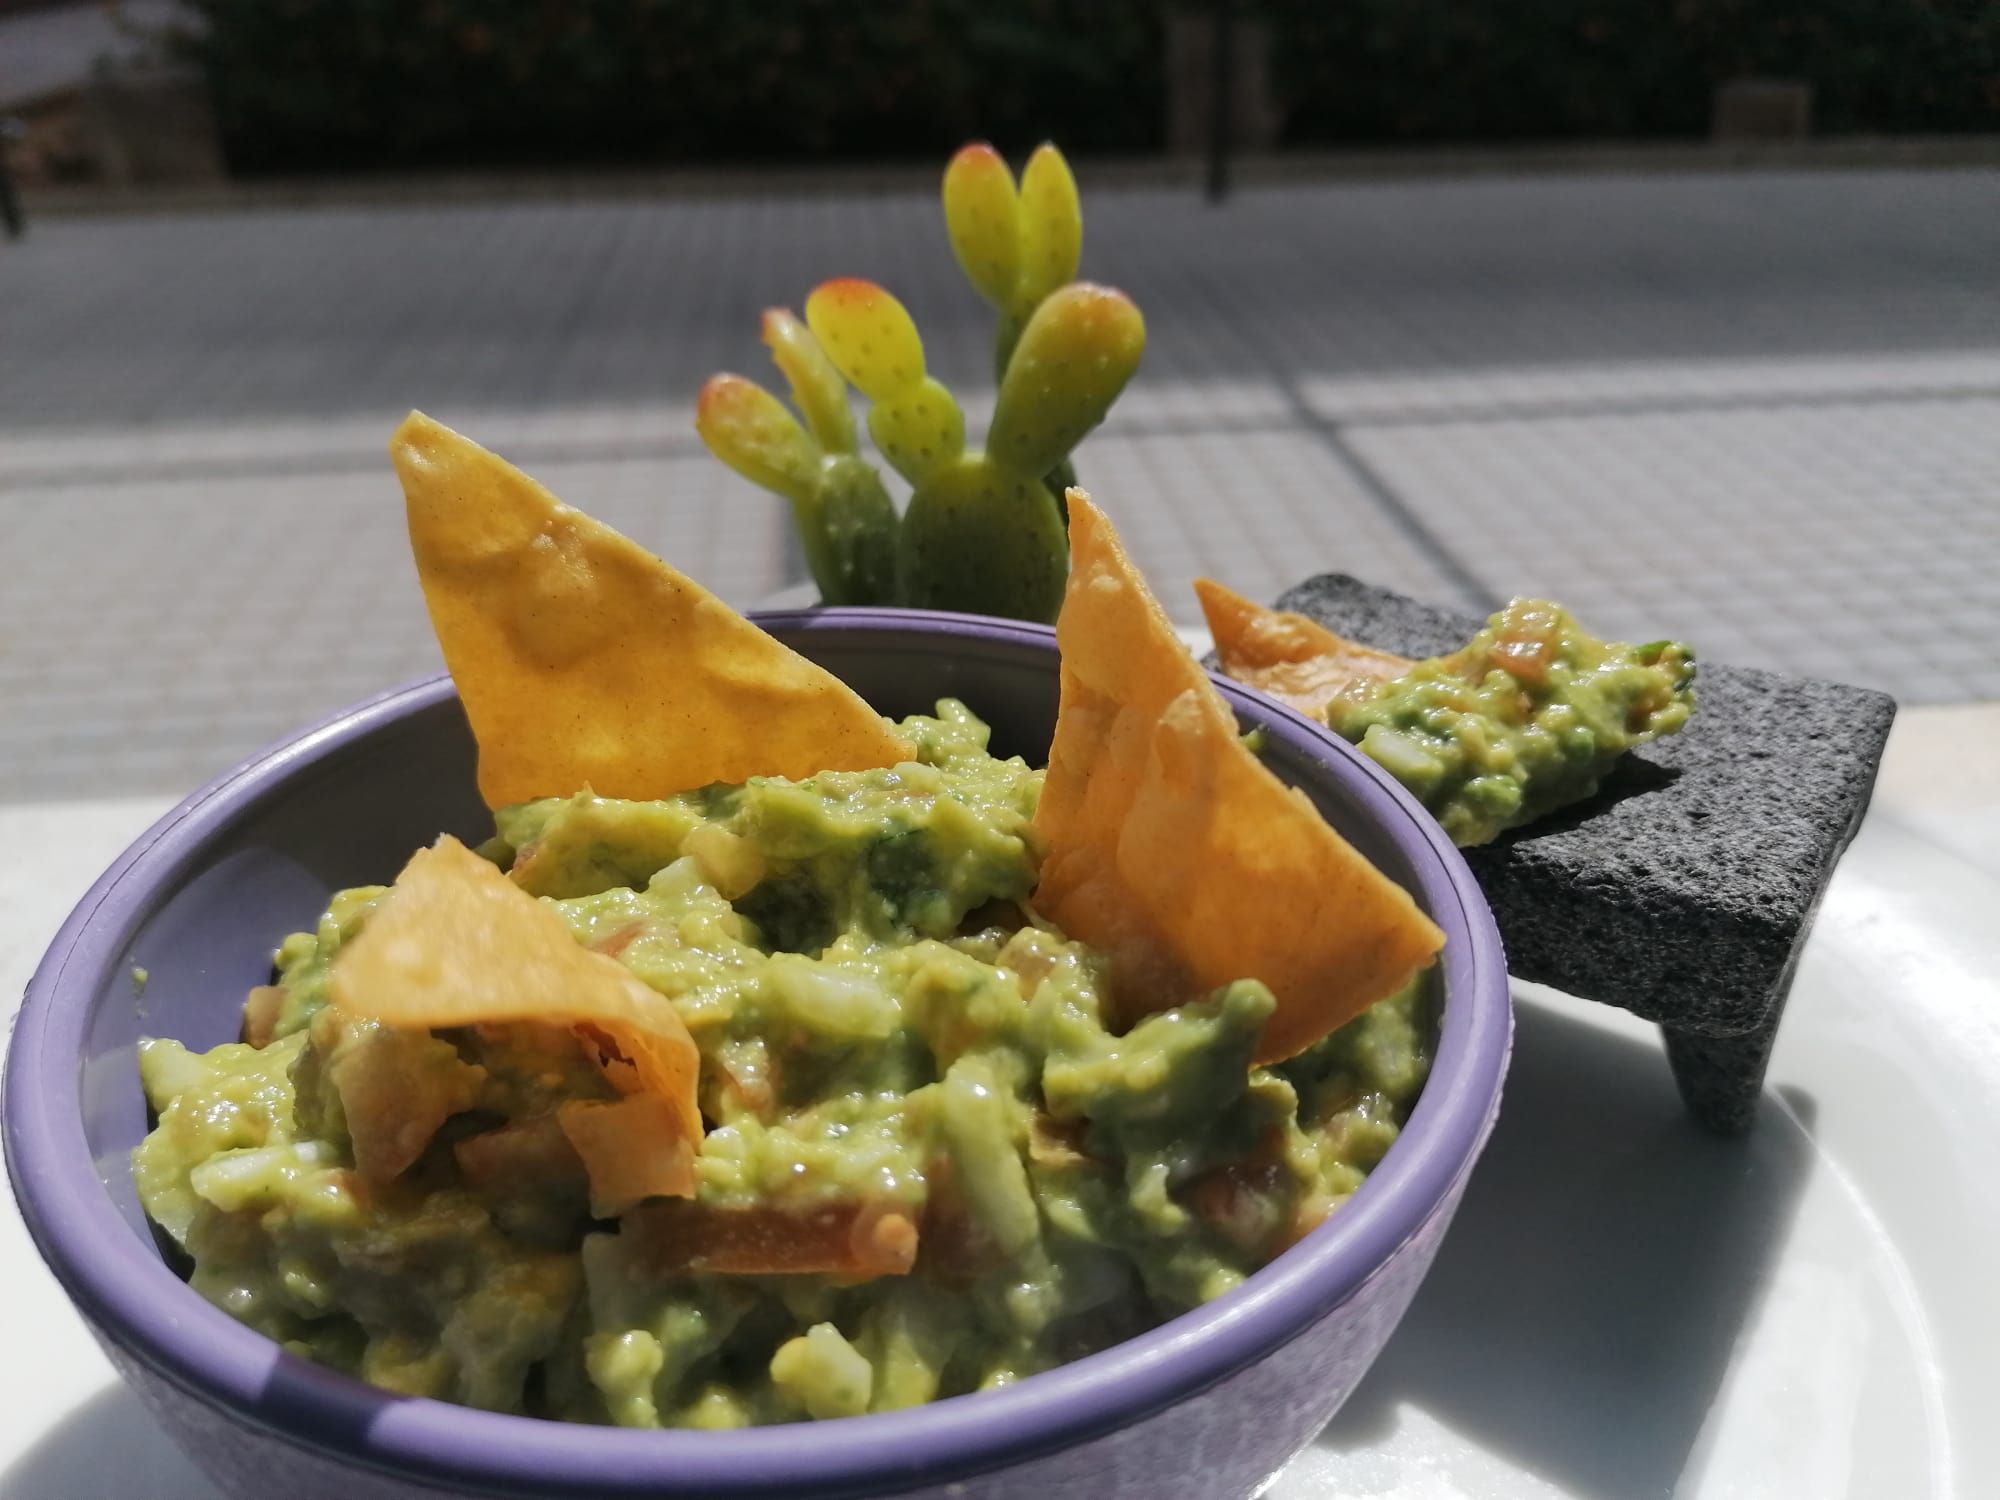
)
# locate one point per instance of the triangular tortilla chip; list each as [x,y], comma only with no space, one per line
[456,943]
[1172,847]
[583,660]
[1295,660]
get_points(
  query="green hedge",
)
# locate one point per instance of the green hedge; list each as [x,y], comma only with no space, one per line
[1880,65]
[1481,70]
[342,84]
[306,84]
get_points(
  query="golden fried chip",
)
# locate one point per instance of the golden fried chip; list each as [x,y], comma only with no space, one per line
[456,943]
[1174,849]
[583,660]
[396,1088]
[631,1150]
[1296,660]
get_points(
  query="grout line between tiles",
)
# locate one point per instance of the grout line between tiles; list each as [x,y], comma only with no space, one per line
[1301,412]
[1558,409]
[1474,591]
[527,455]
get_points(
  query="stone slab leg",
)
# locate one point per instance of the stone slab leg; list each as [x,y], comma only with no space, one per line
[1720,1077]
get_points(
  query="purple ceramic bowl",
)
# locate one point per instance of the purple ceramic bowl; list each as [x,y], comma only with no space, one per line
[1210,1405]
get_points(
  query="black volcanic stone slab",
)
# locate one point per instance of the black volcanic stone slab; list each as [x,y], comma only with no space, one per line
[1683,890]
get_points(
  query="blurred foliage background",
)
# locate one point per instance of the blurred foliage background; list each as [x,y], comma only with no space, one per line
[309,85]
[1457,70]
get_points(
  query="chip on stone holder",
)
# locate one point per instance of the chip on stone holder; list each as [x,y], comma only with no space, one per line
[1683,890]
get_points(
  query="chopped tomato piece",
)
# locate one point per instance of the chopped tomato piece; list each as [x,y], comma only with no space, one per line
[859,1240]
[260,1014]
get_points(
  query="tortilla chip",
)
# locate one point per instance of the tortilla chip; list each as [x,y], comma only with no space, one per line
[456,943]
[1174,849]
[1289,657]
[631,1150]
[397,1088]
[583,660]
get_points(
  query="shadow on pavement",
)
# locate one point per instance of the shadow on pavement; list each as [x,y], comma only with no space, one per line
[1580,1318]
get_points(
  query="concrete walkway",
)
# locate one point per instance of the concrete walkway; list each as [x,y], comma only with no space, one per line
[1761,411]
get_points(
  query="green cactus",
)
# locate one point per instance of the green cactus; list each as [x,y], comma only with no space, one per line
[983,531]
[846,523]
[1015,245]
[1074,357]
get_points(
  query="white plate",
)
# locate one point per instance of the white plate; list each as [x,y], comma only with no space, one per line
[1627,1309]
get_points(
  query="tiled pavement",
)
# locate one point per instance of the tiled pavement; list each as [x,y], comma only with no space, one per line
[1762,411]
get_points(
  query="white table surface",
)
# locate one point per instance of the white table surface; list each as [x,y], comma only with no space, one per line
[1625,1309]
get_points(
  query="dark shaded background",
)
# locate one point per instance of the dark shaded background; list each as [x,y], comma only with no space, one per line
[331,85]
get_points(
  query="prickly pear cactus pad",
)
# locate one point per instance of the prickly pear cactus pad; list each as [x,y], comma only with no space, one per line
[845,520]
[1015,245]
[871,339]
[983,530]
[1073,358]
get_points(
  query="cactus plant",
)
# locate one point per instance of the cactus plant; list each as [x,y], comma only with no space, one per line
[1015,245]
[846,523]
[984,529]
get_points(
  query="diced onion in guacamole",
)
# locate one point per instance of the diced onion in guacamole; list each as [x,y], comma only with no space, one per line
[929,1165]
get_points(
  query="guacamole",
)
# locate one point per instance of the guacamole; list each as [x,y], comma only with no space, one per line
[1526,718]
[891,1043]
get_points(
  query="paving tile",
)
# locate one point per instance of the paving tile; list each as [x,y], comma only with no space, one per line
[1759,409]
[324,312]
[1862,566]
[1659,383]
[168,629]
[1256,510]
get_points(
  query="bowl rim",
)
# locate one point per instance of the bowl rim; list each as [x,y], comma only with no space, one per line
[135,1301]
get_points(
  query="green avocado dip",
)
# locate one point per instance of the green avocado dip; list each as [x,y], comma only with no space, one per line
[890,1042]
[1528,717]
